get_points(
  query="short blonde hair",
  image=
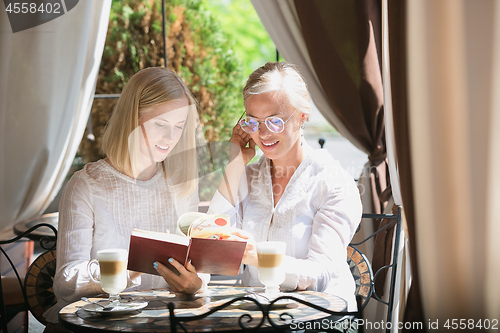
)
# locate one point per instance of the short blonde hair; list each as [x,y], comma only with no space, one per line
[280,77]
[148,88]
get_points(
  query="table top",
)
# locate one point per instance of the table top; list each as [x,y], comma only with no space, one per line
[37,234]
[155,317]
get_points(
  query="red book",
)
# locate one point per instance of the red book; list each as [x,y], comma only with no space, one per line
[214,256]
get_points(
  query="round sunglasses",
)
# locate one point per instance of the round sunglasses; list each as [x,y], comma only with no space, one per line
[274,124]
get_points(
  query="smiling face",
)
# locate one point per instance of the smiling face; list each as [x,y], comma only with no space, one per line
[161,128]
[275,145]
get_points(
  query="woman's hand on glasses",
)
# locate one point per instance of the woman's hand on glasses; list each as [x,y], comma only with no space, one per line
[241,139]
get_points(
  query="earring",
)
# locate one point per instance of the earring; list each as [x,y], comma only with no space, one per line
[302,134]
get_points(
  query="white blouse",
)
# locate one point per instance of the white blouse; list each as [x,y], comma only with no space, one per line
[316,216]
[99,209]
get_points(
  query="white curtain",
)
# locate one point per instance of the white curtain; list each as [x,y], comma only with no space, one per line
[47,82]
[454,120]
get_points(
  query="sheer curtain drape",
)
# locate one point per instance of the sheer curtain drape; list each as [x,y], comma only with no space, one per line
[453,77]
[46,91]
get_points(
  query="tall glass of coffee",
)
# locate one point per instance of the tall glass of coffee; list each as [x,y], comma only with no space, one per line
[271,273]
[113,272]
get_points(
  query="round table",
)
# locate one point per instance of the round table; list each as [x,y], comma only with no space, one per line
[41,232]
[155,317]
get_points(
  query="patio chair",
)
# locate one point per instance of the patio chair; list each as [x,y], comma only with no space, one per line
[38,285]
[363,275]
[361,268]
[14,302]
[33,292]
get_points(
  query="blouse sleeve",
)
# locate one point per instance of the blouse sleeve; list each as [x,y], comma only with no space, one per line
[333,227]
[74,244]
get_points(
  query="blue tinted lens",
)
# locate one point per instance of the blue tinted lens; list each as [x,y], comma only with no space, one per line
[249,124]
[275,124]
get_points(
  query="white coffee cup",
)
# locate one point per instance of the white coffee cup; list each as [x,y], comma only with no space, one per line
[113,271]
[271,273]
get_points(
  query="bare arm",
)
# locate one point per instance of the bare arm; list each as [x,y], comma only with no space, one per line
[240,155]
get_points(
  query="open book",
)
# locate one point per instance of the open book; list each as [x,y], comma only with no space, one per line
[200,238]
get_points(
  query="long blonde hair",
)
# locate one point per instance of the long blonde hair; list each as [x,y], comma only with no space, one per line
[148,88]
[280,77]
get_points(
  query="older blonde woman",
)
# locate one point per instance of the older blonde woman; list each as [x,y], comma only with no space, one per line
[146,181]
[293,193]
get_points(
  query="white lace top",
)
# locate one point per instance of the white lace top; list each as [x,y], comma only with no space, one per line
[98,210]
[316,216]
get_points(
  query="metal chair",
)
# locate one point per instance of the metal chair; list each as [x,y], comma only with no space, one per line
[361,270]
[38,285]
[36,288]
[361,267]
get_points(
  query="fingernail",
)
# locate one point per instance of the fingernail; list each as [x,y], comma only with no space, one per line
[170,260]
[155,265]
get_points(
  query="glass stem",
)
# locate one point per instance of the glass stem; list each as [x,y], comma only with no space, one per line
[114,299]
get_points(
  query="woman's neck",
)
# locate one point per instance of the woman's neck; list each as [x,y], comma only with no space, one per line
[288,164]
[146,174]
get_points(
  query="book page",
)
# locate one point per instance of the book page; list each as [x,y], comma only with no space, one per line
[185,222]
[211,226]
[161,236]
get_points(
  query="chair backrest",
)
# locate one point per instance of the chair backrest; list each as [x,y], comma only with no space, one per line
[38,280]
[362,272]
[39,284]
[358,262]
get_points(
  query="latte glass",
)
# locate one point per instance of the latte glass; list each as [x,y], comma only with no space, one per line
[113,272]
[271,272]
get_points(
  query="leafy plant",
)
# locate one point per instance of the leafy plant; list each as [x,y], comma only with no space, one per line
[197,50]
[248,37]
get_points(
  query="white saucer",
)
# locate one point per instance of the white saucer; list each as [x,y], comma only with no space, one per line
[122,308]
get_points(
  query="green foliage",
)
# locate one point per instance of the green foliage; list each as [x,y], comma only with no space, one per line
[198,50]
[248,37]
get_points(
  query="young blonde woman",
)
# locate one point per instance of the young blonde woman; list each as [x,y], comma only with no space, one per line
[146,181]
[293,193]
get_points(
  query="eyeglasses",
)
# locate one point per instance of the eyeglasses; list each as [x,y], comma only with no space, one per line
[274,124]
